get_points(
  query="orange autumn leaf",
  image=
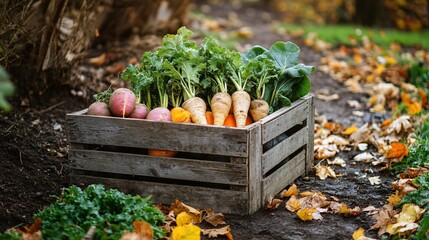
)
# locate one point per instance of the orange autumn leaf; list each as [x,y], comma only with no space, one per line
[422,96]
[293,204]
[358,234]
[329,125]
[414,108]
[350,130]
[306,214]
[406,99]
[386,122]
[292,191]
[397,150]
[143,229]
[349,211]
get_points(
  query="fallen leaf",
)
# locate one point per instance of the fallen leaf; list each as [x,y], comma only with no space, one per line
[337,140]
[371,210]
[374,180]
[414,108]
[394,199]
[186,232]
[404,186]
[214,218]
[423,97]
[383,218]
[354,104]
[361,135]
[328,97]
[183,219]
[406,220]
[100,60]
[214,233]
[400,125]
[324,171]
[358,234]
[306,214]
[245,32]
[177,207]
[364,157]
[272,203]
[350,130]
[386,122]
[414,172]
[143,231]
[337,161]
[325,151]
[349,211]
[397,150]
[293,204]
[316,200]
[362,146]
[291,191]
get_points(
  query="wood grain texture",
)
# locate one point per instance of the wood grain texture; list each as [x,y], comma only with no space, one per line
[157,135]
[310,146]
[224,201]
[294,115]
[255,171]
[283,176]
[284,149]
[160,167]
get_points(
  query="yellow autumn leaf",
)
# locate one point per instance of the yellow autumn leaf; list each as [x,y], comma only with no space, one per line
[292,191]
[350,130]
[186,232]
[397,150]
[183,219]
[406,99]
[394,199]
[293,204]
[406,221]
[349,211]
[306,214]
[390,60]
[414,108]
[358,234]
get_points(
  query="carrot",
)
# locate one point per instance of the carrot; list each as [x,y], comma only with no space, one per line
[259,109]
[230,121]
[209,118]
[249,120]
[197,108]
[241,102]
[179,114]
[161,153]
[220,104]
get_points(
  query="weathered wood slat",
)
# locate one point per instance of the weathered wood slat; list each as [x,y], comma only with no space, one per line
[310,146]
[295,115]
[284,176]
[255,171]
[282,111]
[282,150]
[169,168]
[157,135]
[224,201]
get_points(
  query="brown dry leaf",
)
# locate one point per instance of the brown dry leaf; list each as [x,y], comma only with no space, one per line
[404,186]
[397,150]
[414,172]
[325,151]
[32,236]
[383,218]
[337,140]
[213,233]
[293,204]
[350,130]
[292,191]
[337,161]
[371,210]
[316,200]
[324,171]
[406,220]
[177,207]
[306,214]
[272,203]
[361,135]
[400,125]
[214,218]
[100,60]
[245,32]
[394,199]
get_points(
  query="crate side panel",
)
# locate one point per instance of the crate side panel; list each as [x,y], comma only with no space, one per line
[223,201]
[149,166]
[295,115]
[157,135]
[284,149]
[255,171]
[285,175]
[310,146]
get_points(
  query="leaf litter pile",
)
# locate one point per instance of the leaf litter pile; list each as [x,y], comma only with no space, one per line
[386,77]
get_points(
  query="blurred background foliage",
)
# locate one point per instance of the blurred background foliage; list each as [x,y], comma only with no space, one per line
[412,15]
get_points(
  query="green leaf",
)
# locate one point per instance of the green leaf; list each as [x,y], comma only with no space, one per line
[7,89]
[301,88]
[284,54]
[253,53]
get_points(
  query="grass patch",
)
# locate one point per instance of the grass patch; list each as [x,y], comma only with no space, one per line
[341,34]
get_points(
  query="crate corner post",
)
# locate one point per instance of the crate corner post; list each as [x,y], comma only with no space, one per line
[255,201]
[310,145]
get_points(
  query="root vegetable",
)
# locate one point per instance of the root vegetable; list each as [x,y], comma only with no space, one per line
[220,104]
[140,111]
[122,102]
[179,114]
[258,109]
[159,114]
[197,107]
[209,118]
[99,109]
[241,103]
[230,121]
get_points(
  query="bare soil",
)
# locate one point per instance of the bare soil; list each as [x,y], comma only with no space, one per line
[33,152]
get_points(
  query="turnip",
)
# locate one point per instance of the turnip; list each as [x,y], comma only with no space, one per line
[99,109]
[140,111]
[159,114]
[122,102]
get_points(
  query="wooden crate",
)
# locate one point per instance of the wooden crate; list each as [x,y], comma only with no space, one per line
[230,170]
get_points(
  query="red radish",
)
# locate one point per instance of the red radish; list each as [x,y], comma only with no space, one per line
[140,111]
[122,102]
[159,114]
[99,109]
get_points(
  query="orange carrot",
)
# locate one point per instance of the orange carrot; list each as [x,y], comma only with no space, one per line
[179,114]
[161,153]
[221,104]
[241,103]
[249,120]
[230,121]
[259,109]
[197,107]
[209,118]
